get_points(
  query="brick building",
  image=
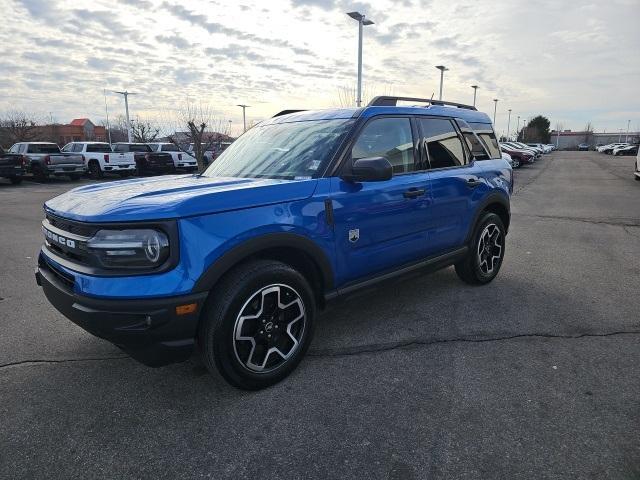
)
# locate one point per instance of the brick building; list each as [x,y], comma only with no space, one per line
[79,130]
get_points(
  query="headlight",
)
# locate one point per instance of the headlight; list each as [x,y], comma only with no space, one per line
[129,248]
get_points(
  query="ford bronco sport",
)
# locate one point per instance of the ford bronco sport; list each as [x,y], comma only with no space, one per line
[303,208]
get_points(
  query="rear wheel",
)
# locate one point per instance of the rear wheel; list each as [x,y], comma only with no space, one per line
[94,170]
[257,324]
[516,163]
[39,174]
[486,251]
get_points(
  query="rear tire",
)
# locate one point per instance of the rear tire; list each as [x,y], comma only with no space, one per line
[95,171]
[15,180]
[516,163]
[637,178]
[39,174]
[486,251]
[257,324]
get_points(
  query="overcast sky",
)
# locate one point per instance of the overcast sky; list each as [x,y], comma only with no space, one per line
[573,61]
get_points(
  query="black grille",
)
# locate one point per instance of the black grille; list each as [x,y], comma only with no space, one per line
[65,278]
[71,226]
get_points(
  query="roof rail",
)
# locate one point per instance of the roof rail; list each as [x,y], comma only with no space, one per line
[390,101]
[287,112]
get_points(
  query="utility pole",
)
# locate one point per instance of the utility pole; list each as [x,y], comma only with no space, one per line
[475,90]
[558,136]
[518,128]
[106,109]
[509,124]
[126,107]
[244,116]
[442,69]
[362,22]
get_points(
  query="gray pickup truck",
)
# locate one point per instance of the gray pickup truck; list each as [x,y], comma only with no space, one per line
[44,159]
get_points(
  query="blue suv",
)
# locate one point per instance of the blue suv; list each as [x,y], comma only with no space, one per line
[301,209]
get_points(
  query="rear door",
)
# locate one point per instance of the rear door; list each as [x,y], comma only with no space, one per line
[382,225]
[456,182]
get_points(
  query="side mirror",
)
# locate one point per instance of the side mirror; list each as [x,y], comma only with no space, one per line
[373,169]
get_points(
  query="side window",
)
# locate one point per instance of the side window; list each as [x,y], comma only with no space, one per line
[442,142]
[475,147]
[67,147]
[119,148]
[22,148]
[390,138]
[491,143]
[14,149]
[77,147]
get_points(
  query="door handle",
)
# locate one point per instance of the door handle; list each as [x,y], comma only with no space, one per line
[473,182]
[414,193]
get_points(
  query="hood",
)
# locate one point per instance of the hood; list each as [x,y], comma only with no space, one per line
[174,196]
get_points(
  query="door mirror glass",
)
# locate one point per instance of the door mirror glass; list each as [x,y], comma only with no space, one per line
[372,169]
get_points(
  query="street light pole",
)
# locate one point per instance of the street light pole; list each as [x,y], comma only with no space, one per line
[475,90]
[509,124]
[442,69]
[495,109]
[518,128]
[244,116]
[104,91]
[362,21]
[626,137]
[126,108]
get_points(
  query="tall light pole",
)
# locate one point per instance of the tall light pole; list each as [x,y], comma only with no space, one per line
[442,69]
[620,136]
[517,128]
[126,107]
[362,21]
[475,90]
[495,109]
[626,138]
[106,109]
[509,124]
[244,116]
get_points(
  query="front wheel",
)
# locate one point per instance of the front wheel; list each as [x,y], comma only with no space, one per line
[516,163]
[257,324]
[486,251]
[95,171]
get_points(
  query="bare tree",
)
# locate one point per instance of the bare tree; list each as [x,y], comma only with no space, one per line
[203,131]
[144,131]
[588,133]
[347,95]
[18,126]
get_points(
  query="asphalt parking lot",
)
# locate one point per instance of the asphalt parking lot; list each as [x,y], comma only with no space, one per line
[536,375]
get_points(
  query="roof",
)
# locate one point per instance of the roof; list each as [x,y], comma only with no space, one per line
[367,112]
[79,122]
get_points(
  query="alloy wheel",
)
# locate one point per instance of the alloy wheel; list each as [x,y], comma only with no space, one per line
[269,328]
[489,249]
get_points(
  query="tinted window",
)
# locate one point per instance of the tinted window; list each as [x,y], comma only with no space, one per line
[139,148]
[170,148]
[43,148]
[443,144]
[294,150]
[98,147]
[120,148]
[477,149]
[390,138]
[77,147]
[491,143]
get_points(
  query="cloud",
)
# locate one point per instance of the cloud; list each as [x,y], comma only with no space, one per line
[175,40]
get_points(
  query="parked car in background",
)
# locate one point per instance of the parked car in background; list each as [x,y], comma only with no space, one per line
[523,156]
[609,148]
[301,209]
[551,146]
[100,159]
[543,148]
[514,162]
[583,147]
[625,150]
[521,146]
[145,160]
[44,159]
[12,166]
[637,169]
[181,160]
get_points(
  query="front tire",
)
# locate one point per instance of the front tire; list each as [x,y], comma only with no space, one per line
[516,163]
[486,252]
[95,171]
[257,324]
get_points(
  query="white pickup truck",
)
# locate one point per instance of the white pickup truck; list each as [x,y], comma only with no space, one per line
[100,159]
[146,160]
[181,160]
[44,159]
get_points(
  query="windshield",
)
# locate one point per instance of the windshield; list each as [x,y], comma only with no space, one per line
[43,148]
[170,148]
[139,148]
[297,150]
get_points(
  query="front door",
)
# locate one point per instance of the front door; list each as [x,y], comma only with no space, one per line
[381,225]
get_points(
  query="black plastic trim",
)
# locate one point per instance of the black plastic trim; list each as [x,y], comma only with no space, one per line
[492,198]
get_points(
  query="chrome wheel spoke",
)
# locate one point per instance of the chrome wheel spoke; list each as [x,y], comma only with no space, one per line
[489,252]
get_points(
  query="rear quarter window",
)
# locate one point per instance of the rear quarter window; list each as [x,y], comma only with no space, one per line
[488,138]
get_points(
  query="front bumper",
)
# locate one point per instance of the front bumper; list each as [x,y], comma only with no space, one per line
[150,331]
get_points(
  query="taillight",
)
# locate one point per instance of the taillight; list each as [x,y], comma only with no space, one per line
[47,160]
[106,157]
[179,156]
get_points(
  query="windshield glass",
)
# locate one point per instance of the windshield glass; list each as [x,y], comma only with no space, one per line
[133,147]
[297,150]
[169,148]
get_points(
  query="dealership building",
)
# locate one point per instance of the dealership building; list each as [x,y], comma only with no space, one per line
[568,140]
